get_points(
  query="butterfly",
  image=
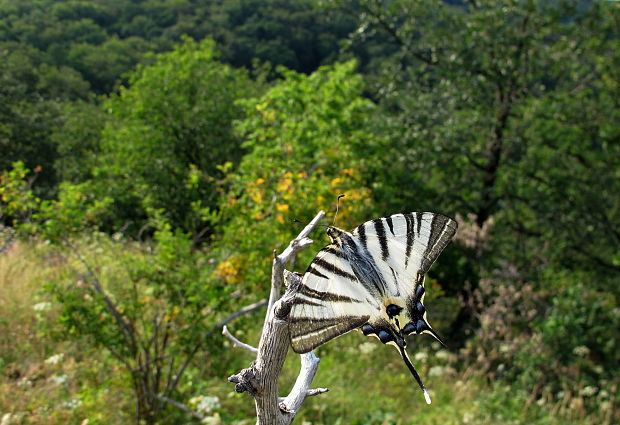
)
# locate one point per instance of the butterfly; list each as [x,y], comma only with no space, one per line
[371,279]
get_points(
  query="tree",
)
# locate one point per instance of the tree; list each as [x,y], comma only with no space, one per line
[169,137]
[302,138]
[462,88]
[153,314]
[297,35]
[503,114]
[31,97]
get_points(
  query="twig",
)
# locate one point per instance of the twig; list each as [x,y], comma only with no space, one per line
[244,310]
[301,389]
[178,405]
[110,305]
[309,393]
[238,343]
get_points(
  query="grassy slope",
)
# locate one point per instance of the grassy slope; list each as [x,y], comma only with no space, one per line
[45,378]
[368,382]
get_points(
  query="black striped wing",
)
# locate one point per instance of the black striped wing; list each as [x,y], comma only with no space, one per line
[352,281]
[331,302]
[405,246]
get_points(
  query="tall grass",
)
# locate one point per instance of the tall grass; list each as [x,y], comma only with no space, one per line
[47,377]
[50,378]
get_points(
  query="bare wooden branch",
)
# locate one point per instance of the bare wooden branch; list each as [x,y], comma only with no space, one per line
[309,366]
[178,405]
[261,378]
[310,393]
[110,305]
[238,343]
[244,310]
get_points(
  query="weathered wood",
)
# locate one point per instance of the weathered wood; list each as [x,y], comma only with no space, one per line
[261,378]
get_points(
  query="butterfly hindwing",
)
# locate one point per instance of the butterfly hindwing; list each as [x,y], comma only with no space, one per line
[406,246]
[330,302]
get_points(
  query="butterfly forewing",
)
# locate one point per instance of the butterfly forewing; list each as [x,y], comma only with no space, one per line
[410,243]
[330,302]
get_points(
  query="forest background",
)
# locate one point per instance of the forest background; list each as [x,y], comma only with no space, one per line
[154,153]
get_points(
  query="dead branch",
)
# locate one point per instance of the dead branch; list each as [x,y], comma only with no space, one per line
[244,310]
[178,405]
[261,378]
[238,343]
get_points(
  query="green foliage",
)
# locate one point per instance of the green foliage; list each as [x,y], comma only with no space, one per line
[557,345]
[169,137]
[493,120]
[102,40]
[17,202]
[152,309]
[77,209]
[56,51]
[77,141]
[296,35]
[503,114]
[26,116]
[300,137]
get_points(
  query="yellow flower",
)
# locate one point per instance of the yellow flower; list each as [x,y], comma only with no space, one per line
[255,195]
[282,208]
[335,182]
[228,270]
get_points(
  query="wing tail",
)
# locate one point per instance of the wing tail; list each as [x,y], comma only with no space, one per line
[405,357]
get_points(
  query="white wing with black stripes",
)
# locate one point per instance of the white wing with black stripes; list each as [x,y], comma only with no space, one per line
[405,246]
[330,302]
[372,279]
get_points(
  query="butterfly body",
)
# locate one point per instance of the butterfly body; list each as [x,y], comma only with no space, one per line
[371,279]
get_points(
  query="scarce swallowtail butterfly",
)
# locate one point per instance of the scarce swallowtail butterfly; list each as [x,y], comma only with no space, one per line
[371,279]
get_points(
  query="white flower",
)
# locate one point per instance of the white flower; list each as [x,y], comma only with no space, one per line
[581,351]
[72,404]
[420,356]
[208,404]
[367,347]
[44,306]
[468,417]
[6,419]
[59,379]
[588,391]
[436,371]
[504,348]
[55,359]
[212,420]
[442,355]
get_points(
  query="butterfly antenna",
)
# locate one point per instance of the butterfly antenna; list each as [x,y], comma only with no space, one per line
[403,353]
[337,207]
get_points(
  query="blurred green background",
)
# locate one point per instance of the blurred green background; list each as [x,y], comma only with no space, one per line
[154,153]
